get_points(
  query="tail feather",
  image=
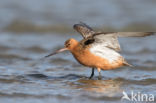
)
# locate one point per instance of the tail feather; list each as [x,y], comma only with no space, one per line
[127,64]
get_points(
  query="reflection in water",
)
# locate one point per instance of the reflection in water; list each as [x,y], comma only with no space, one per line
[108,88]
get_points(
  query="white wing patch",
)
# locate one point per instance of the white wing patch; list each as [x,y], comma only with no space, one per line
[104,52]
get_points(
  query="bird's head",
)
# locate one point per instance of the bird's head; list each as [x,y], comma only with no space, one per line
[68,45]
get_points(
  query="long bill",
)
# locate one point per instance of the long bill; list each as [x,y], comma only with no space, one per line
[58,51]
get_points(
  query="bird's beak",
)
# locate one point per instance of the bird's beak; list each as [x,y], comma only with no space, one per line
[58,51]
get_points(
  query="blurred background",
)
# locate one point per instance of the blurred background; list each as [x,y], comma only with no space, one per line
[31,29]
[56,15]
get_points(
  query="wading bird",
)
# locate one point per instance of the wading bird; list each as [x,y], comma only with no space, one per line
[98,50]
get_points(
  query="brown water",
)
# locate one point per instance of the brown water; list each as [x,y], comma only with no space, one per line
[26,77]
[31,29]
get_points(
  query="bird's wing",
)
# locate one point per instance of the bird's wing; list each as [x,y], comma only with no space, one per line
[84,29]
[134,34]
[105,39]
[109,40]
[128,34]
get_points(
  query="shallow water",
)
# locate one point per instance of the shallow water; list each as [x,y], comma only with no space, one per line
[26,76]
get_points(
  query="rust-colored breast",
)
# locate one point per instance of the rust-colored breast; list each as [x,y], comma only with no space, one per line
[85,57]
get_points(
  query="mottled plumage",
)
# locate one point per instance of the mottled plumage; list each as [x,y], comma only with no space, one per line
[84,30]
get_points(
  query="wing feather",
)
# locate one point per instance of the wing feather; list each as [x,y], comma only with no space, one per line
[127,34]
[110,41]
[134,34]
[84,29]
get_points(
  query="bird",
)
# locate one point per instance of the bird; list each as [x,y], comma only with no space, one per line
[100,50]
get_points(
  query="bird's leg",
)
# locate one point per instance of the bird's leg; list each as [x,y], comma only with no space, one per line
[92,74]
[99,77]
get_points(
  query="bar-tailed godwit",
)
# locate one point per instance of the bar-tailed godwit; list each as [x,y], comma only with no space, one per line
[98,50]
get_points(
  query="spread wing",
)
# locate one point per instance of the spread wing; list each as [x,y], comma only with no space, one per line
[109,40]
[133,34]
[84,29]
[105,39]
[127,34]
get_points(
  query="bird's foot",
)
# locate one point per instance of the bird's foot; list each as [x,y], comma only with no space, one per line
[90,78]
[99,78]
